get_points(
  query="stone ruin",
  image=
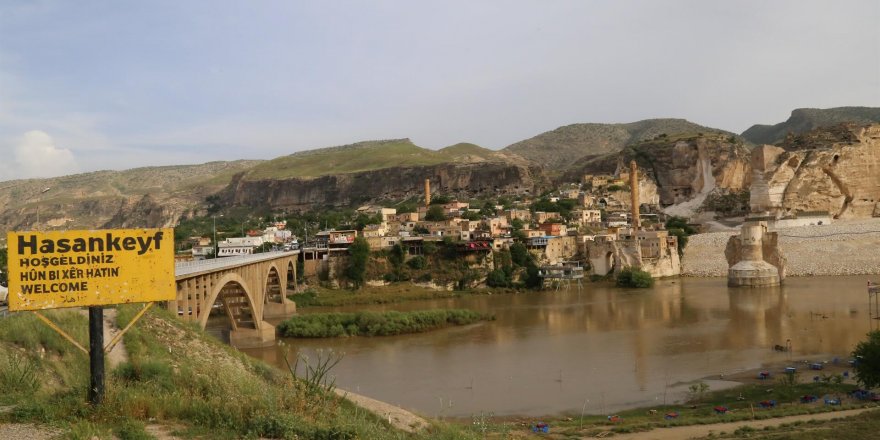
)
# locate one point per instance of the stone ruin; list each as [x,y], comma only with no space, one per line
[754,256]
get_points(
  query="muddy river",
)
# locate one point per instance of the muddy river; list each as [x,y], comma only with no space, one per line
[597,349]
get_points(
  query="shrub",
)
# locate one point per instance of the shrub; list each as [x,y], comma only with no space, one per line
[633,277]
[417,262]
[498,278]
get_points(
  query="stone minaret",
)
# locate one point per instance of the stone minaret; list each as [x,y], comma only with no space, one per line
[427,192]
[634,191]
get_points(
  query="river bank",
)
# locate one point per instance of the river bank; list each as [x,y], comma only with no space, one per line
[846,247]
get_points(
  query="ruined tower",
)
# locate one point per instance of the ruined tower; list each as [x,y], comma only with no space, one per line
[634,191]
[427,192]
[748,255]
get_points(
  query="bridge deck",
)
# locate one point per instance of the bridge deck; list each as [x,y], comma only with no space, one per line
[184,269]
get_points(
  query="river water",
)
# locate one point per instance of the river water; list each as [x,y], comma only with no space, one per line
[598,349]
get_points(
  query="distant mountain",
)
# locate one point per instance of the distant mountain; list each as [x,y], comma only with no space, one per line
[803,120]
[558,148]
[369,156]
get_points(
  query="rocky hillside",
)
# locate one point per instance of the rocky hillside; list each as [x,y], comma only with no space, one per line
[140,197]
[680,171]
[466,180]
[559,148]
[803,120]
[841,177]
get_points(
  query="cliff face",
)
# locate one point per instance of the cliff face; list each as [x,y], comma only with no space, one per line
[842,178]
[464,180]
[678,173]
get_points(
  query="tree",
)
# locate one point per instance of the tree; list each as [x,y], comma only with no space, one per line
[359,253]
[516,224]
[519,254]
[418,262]
[634,277]
[867,355]
[497,278]
[531,278]
[435,214]
[679,227]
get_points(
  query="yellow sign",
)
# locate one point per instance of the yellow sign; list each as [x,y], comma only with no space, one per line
[49,270]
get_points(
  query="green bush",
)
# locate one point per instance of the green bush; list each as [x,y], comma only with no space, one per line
[633,277]
[326,325]
[417,262]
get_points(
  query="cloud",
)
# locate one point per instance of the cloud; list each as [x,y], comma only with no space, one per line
[36,155]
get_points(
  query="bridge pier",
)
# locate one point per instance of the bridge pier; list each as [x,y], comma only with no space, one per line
[253,338]
[279,311]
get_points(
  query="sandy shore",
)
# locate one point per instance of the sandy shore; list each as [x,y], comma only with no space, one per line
[847,247]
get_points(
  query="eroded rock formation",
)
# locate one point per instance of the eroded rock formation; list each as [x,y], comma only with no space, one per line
[839,174]
[464,180]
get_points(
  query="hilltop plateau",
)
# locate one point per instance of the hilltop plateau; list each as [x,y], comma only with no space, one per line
[803,120]
[558,148]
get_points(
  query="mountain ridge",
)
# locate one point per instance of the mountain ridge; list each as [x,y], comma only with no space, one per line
[803,120]
[564,145]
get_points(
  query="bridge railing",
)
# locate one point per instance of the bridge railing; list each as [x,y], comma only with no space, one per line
[189,267]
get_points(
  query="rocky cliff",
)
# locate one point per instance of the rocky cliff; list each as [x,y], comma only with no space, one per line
[840,175]
[464,180]
[684,169]
[140,197]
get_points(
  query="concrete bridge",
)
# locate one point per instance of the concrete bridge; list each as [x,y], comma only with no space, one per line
[246,290]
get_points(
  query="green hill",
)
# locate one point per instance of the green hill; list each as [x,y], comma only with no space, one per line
[366,156]
[803,120]
[558,148]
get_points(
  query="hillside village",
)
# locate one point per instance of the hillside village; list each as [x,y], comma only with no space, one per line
[584,225]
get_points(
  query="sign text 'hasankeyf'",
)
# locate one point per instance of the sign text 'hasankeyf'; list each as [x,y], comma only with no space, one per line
[49,270]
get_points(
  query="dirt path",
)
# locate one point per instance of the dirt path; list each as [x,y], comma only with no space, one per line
[118,354]
[697,431]
[396,416]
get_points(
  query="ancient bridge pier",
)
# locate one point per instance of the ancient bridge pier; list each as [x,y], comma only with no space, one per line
[246,289]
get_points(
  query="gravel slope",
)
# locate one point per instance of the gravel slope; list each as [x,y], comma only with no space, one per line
[847,247]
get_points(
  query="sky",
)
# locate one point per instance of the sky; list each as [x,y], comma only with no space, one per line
[91,85]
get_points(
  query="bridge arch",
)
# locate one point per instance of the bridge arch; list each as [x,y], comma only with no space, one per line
[273,288]
[226,279]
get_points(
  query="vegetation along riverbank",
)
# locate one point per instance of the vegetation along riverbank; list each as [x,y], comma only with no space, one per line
[328,325]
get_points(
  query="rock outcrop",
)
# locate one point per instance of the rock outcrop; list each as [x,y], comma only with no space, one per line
[679,172]
[464,180]
[841,177]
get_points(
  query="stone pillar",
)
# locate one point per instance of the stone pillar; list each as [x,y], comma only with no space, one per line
[634,192]
[427,192]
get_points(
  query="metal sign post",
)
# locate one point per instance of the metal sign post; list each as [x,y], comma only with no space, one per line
[57,269]
[96,355]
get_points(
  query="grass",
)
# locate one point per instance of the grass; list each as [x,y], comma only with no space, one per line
[178,377]
[742,402]
[856,427]
[328,325]
[362,156]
